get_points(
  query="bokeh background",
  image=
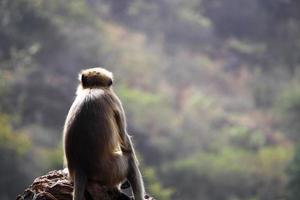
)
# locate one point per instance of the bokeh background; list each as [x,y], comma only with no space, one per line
[211,89]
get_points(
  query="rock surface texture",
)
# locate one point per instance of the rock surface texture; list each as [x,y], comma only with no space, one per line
[56,186]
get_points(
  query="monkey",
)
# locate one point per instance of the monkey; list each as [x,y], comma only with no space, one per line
[97,147]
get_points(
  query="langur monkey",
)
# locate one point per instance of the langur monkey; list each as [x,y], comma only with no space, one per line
[97,146]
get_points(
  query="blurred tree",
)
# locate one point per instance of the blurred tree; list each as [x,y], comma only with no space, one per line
[273,24]
[13,148]
[175,22]
[248,20]
[153,185]
[294,176]
[218,175]
[169,67]
[288,109]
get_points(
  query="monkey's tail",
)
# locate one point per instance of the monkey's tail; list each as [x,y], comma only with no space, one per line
[80,180]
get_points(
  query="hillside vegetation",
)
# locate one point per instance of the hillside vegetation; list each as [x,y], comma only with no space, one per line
[210,89]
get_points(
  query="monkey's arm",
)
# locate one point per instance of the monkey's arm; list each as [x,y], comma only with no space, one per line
[120,118]
[134,175]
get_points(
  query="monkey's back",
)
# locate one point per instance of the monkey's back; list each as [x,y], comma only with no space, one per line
[92,136]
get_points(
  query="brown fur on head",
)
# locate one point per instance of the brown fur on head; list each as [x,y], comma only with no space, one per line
[95,77]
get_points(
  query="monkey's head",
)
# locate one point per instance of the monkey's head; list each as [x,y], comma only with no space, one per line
[96,77]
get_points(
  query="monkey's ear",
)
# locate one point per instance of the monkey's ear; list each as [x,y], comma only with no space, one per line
[83,79]
[110,82]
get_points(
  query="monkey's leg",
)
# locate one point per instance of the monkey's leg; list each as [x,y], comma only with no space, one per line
[80,180]
[135,179]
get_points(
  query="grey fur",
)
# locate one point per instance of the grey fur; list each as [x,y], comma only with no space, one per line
[96,143]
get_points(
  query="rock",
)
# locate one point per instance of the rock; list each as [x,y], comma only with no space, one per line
[56,186]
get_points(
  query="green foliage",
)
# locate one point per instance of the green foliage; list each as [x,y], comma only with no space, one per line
[263,94]
[219,175]
[267,87]
[246,48]
[294,176]
[17,142]
[288,109]
[52,158]
[192,76]
[150,103]
[244,137]
[13,147]
[153,185]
